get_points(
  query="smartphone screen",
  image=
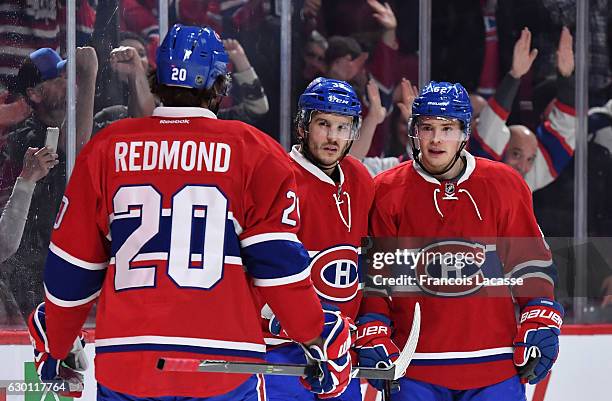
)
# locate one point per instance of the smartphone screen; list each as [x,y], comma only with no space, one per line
[52,137]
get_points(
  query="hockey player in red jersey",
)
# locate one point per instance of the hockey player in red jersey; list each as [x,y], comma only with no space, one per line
[164,222]
[448,202]
[335,195]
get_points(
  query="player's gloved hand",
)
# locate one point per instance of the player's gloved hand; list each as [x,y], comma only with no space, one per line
[332,355]
[536,344]
[374,346]
[50,369]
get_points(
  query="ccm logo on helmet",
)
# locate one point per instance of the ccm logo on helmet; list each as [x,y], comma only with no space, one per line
[332,98]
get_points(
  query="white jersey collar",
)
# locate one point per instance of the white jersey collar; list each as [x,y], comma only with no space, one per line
[469,169]
[307,165]
[179,112]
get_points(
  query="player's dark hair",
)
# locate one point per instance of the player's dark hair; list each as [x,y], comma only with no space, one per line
[176,96]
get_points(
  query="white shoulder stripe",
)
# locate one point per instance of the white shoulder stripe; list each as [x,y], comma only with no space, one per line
[256,239]
[530,263]
[463,354]
[70,304]
[272,282]
[237,226]
[543,276]
[186,341]
[75,261]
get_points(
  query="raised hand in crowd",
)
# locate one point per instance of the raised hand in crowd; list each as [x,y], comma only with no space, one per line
[384,15]
[236,55]
[126,62]
[311,8]
[129,66]
[37,163]
[409,92]
[86,61]
[523,56]
[565,53]
[376,115]
[86,69]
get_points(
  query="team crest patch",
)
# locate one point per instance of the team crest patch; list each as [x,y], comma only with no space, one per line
[450,268]
[334,273]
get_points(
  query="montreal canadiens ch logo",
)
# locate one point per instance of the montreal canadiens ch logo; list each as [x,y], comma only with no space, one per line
[334,273]
[450,268]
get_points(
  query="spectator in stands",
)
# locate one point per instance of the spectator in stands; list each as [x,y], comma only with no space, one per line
[130,64]
[313,57]
[30,25]
[41,81]
[544,18]
[130,39]
[347,61]
[521,150]
[378,164]
[247,95]
[36,164]
[12,111]
[541,156]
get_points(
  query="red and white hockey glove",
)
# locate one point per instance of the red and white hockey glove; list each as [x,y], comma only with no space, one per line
[332,356]
[66,371]
[374,346]
[536,344]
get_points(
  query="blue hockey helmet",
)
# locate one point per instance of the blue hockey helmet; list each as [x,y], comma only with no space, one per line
[191,57]
[446,100]
[330,96]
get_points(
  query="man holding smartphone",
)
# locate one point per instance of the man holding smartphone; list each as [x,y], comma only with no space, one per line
[42,82]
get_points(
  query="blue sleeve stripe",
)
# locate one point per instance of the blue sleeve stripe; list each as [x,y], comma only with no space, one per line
[76,261]
[256,239]
[275,259]
[546,272]
[69,304]
[272,282]
[178,348]
[552,145]
[69,282]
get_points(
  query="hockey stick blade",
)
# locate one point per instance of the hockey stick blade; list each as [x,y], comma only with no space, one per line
[405,357]
[394,372]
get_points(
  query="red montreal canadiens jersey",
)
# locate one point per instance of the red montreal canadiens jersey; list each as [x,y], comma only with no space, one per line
[334,220]
[160,220]
[467,329]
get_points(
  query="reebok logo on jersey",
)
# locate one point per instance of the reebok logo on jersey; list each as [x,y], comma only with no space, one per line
[174,121]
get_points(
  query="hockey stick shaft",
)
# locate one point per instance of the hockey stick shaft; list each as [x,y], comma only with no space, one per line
[394,372]
[198,365]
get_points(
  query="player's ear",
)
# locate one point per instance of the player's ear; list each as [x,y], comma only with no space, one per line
[300,131]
